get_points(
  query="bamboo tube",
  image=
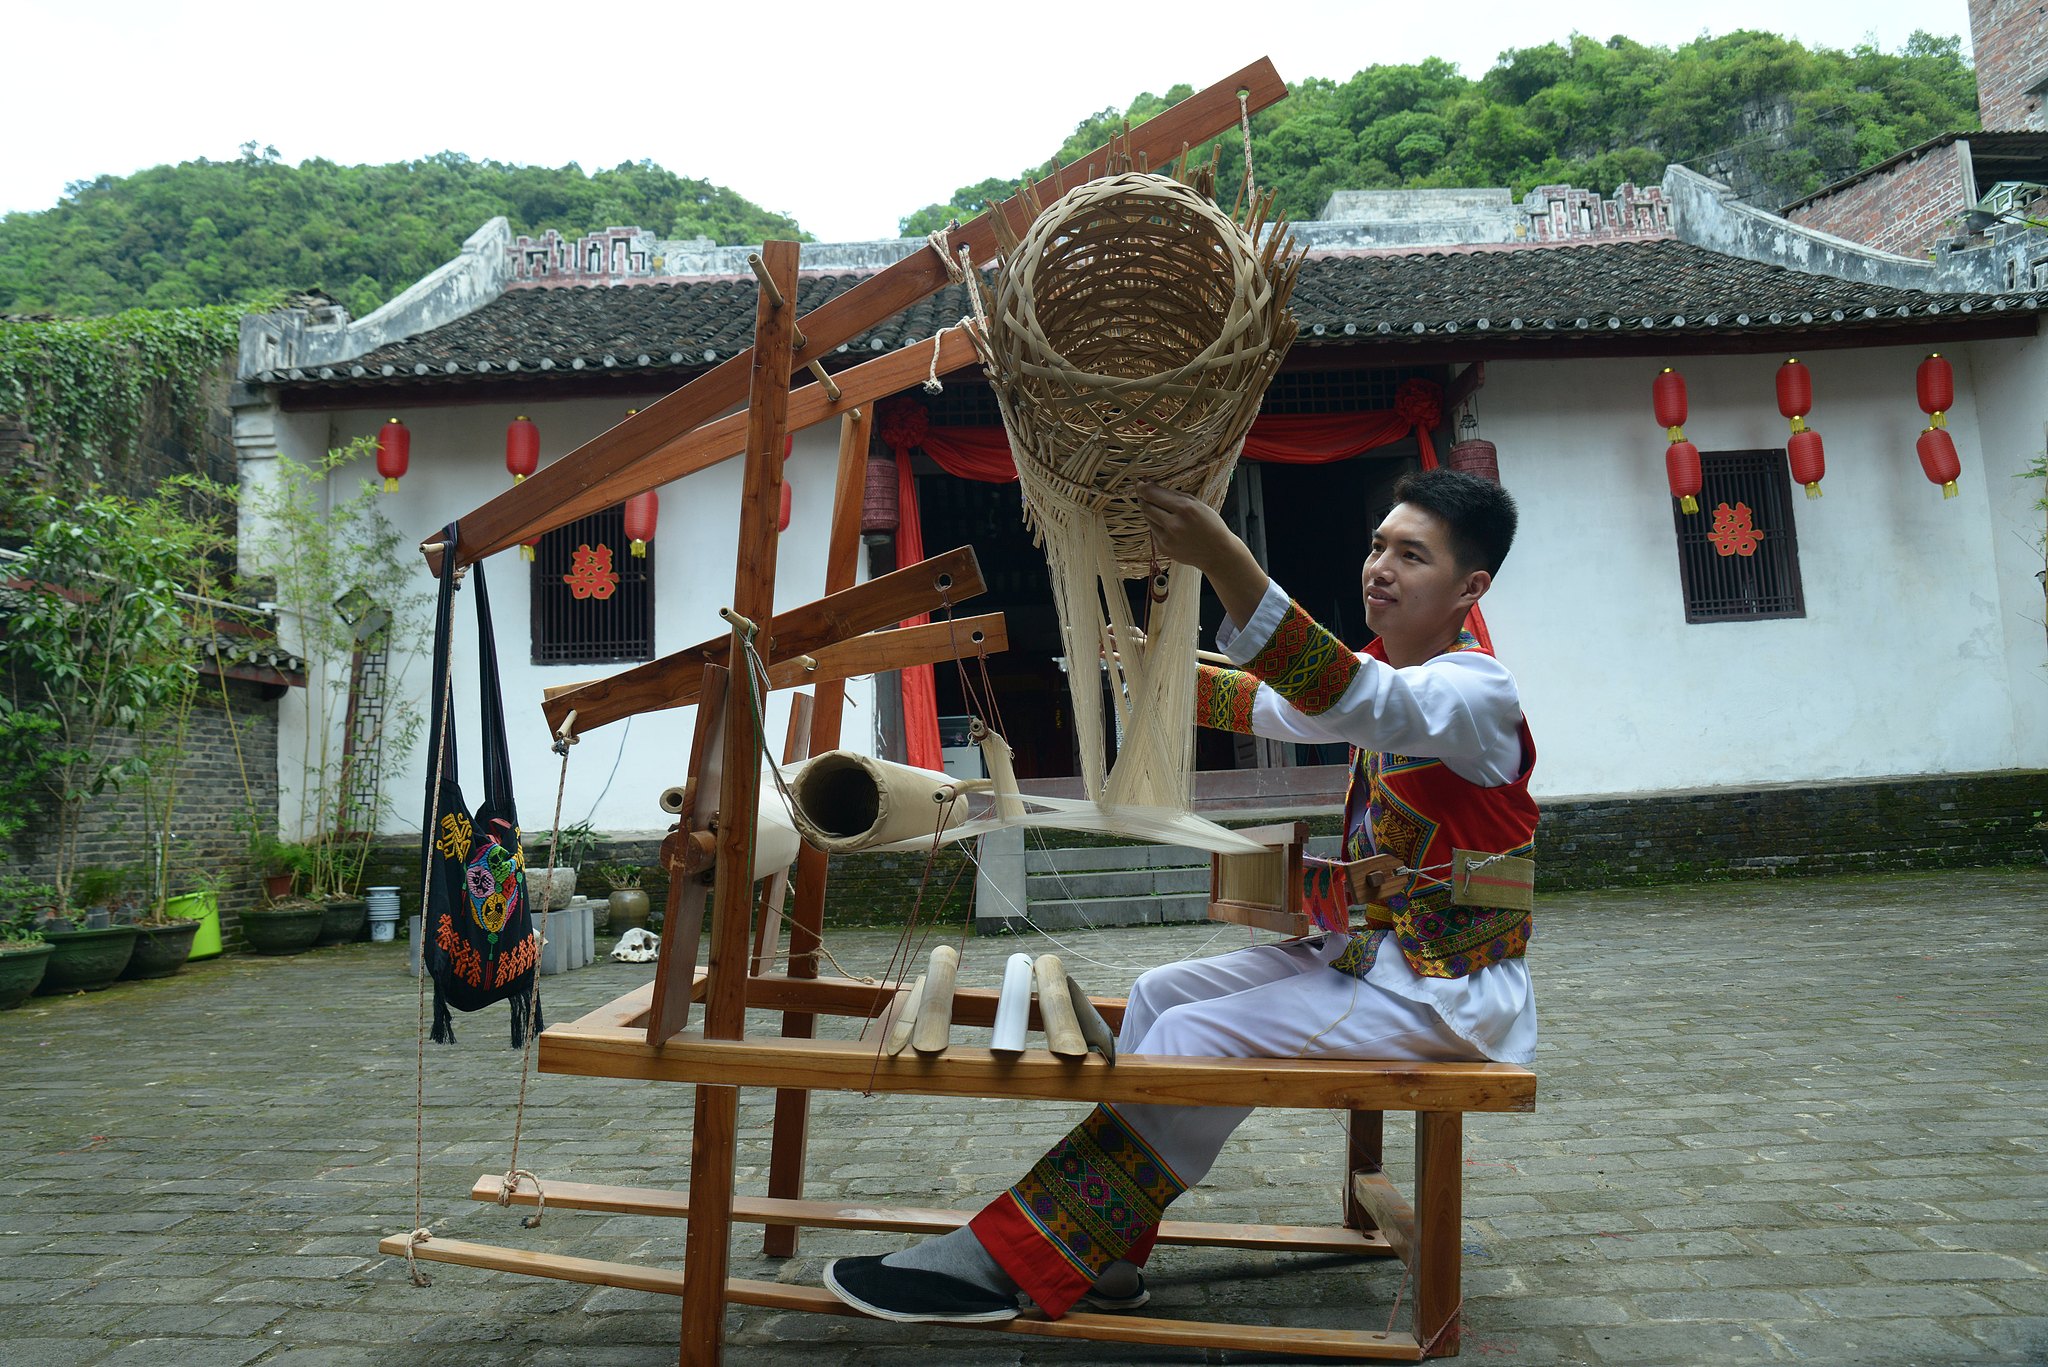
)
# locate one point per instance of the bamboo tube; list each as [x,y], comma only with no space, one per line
[1056,1009]
[1094,1028]
[900,1029]
[880,1026]
[935,1014]
[1013,1006]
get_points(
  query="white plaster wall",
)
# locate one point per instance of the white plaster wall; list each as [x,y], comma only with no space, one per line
[1902,664]
[2012,418]
[617,772]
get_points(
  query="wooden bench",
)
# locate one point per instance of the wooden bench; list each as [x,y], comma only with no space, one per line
[1375,1220]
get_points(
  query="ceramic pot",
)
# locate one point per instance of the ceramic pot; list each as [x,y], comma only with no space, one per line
[161,950]
[343,922]
[283,930]
[86,960]
[21,969]
[627,911]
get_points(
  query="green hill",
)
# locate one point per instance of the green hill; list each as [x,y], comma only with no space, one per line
[1775,119]
[210,232]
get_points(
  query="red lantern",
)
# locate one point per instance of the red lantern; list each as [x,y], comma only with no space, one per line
[522,448]
[641,513]
[1936,382]
[1682,469]
[1809,461]
[782,517]
[394,453]
[1795,401]
[1667,395]
[1938,459]
[1682,460]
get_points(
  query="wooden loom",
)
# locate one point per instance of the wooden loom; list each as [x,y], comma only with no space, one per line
[643,1034]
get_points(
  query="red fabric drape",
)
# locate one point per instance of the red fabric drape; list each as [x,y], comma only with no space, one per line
[983,453]
[903,425]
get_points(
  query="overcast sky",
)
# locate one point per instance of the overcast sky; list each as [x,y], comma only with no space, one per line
[845,115]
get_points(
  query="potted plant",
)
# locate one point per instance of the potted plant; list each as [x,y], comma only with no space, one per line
[24,953]
[344,595]
[96,644]
[627,907]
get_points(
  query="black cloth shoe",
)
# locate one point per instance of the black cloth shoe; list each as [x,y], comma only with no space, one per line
[1096,1300]
[911,1295]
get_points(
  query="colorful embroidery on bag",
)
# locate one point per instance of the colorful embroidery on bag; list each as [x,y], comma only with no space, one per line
[1305,664]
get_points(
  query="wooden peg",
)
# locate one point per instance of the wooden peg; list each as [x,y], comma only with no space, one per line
[1094,1028]
[1056,1009]
[897,1039]
[935,1014]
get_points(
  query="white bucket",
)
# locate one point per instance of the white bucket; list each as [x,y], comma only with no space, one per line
[383,913]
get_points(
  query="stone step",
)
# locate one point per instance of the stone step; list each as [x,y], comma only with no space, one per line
[1112,857]
[1120,911]
[1078,886]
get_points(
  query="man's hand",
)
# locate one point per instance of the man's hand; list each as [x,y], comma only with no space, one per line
[1187,530]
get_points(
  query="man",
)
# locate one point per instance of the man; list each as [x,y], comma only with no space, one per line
[1441,762]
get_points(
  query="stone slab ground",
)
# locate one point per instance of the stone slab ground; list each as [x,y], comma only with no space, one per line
[1802,1121]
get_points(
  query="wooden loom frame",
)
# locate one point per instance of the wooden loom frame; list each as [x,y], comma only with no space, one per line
[641,1034]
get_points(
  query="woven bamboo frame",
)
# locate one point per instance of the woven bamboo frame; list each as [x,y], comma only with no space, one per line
[1131,334]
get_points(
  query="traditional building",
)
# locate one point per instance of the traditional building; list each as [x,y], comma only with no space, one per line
[1768,640]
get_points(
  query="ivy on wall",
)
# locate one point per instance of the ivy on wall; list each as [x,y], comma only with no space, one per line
[87,390]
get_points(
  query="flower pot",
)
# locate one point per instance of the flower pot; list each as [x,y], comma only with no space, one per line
[161,950]
[278,886]
[86,960]
[203,907]
[538,880]
[343,922]
[629,908]
[21,969]
[283,930]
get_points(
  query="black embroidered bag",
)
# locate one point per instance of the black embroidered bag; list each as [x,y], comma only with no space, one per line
[481,946]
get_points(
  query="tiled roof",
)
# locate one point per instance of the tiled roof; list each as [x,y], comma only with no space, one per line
[1530,294]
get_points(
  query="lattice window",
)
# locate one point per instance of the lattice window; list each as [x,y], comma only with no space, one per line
[593,601]
[1738,556]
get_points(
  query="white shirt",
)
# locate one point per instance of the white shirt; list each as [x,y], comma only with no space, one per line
[1461,707]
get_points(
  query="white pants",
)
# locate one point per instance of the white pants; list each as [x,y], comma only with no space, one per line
[1265,1001]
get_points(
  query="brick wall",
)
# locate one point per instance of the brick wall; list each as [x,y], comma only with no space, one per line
[2010,40]
[206,821]
[1955,821]
[1903,210]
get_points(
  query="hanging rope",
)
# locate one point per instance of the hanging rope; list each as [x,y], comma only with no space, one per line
[420,1234]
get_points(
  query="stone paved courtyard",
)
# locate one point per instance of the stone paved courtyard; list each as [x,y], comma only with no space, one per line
[1797,1122]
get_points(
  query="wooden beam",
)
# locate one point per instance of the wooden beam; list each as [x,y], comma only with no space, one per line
[618,1200]
[850,1065]
[1385,1206]
[1265,1340]
[923,587]
[539,503]
[830,666]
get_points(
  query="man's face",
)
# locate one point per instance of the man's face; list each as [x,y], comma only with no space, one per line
[1411,581]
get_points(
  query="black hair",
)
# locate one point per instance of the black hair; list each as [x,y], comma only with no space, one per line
[1480,514]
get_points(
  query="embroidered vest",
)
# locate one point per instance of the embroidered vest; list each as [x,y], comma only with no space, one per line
[1419,811]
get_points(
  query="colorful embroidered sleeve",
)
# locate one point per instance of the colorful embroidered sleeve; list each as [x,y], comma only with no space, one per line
[1304,663]
[1224,698]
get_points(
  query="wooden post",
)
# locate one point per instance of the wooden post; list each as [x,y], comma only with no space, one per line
[675,967]
[1364,1152]
[707,1248]
[789,1141]
[1439,1225]
[796,745]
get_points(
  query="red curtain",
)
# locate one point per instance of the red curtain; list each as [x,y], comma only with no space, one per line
[983,453]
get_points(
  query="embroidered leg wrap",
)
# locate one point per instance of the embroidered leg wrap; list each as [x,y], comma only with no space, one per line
[1095,1197]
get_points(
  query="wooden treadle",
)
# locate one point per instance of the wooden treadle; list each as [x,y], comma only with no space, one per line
[1267,1340]
[920,1220]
